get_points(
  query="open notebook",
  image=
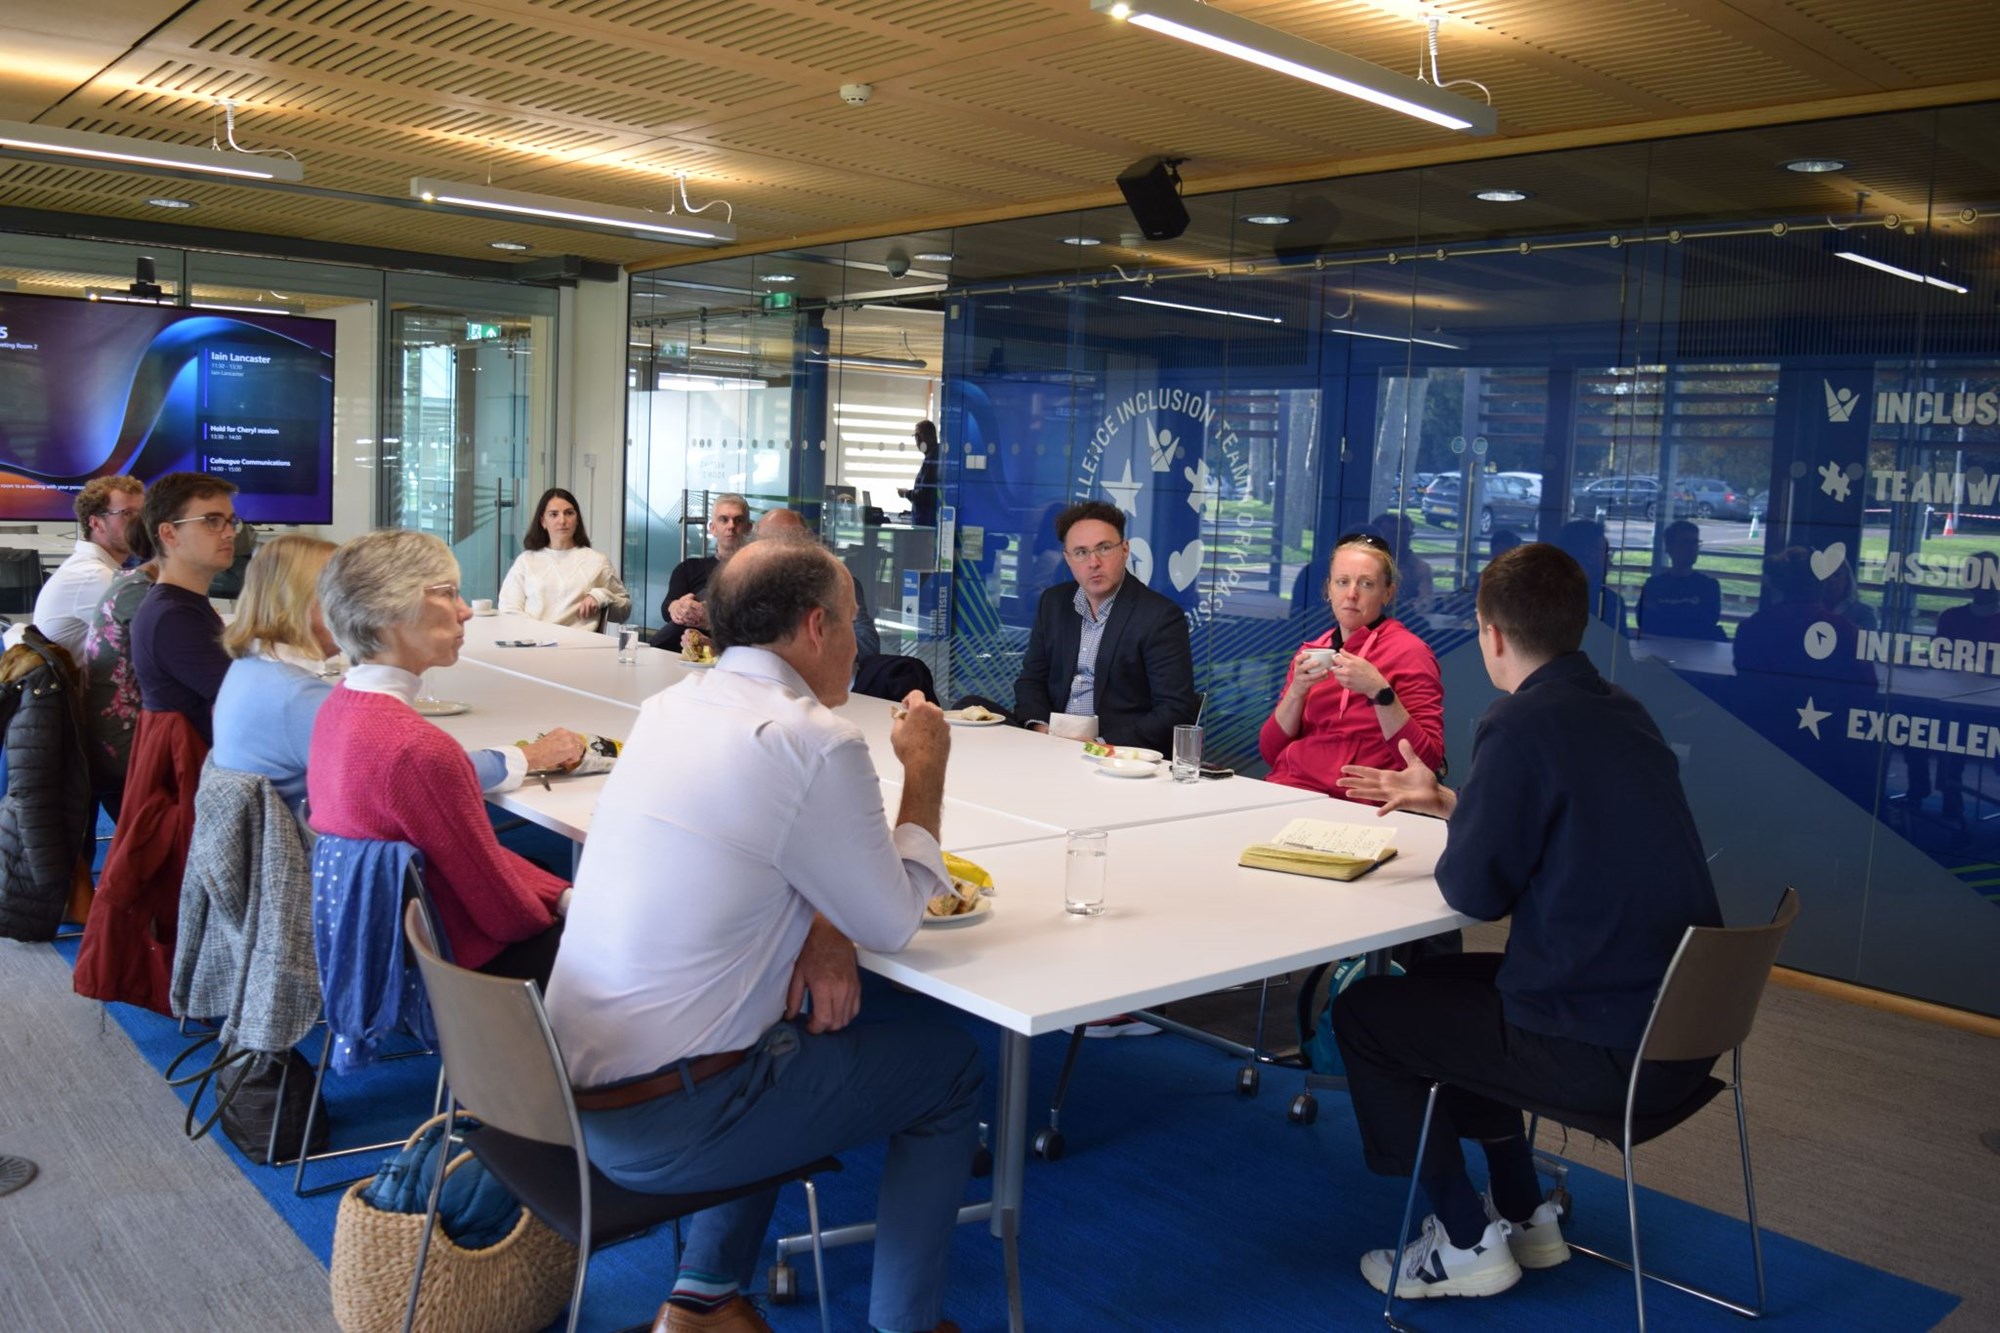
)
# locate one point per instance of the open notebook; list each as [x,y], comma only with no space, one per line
[1326,850]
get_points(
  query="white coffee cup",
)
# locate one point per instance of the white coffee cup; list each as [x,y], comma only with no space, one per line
[482,606]
[1074,726]
[1320,657]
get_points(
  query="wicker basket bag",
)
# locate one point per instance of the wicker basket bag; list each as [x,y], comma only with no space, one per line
[516,1286]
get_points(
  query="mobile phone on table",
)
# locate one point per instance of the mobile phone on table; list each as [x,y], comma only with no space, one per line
[1217,771]
[513,643]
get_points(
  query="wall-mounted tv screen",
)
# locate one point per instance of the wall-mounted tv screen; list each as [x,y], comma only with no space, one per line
[97,388]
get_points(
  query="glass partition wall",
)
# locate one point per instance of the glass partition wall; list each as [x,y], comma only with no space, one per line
[1749,379]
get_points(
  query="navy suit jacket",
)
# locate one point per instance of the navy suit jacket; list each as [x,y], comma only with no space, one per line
[1145,669]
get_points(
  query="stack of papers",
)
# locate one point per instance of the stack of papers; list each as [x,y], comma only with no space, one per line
[1322,849]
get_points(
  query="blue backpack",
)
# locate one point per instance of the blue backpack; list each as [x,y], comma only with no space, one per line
[1323,983]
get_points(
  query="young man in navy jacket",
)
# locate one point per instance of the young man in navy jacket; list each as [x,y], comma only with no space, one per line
[1572,820]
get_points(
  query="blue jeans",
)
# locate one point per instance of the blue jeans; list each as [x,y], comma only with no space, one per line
[799,1097]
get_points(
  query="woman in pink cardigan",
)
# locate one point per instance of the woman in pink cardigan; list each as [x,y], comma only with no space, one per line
[1359,690]
[378,770]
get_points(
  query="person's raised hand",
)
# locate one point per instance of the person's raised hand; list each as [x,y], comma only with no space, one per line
[1412,787]
[920,736]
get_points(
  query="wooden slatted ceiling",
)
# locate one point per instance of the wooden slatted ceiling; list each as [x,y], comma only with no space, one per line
[981,106]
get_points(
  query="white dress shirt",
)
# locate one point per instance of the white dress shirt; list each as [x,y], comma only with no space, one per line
[64,606]
[547,584]
[739,806]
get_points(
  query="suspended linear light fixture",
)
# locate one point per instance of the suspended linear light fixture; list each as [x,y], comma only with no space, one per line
[121,153]
[1218,30]
[682,228]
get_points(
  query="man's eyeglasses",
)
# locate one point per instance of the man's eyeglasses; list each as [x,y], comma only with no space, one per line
[733,520]
[1363,539]
[217,523]
[449,590]
[1085,554]
[117,513]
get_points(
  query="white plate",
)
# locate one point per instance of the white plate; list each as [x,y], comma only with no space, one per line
[1131,752]
[957,718]
[980,911]
[699,666]
[489,611]
[441,707]
[1127,768]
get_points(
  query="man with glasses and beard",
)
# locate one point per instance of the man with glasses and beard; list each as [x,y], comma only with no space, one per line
[1104,645]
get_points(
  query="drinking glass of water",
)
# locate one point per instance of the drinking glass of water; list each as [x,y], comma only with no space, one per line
[628,644]
[1187,753]
[1083,872]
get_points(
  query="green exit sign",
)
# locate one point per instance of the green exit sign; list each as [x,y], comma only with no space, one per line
[777,300]
[481,332]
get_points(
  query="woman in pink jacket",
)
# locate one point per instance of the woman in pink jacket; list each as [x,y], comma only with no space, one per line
[1359,690]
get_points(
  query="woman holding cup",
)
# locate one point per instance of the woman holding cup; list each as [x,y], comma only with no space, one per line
[1360,690]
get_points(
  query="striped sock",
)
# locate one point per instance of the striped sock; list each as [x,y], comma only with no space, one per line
[703,1293]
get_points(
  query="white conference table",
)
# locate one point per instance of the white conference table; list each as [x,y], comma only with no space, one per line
[1182,918]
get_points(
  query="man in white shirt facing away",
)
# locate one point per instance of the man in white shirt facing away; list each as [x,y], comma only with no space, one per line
[715,896]
[104,507]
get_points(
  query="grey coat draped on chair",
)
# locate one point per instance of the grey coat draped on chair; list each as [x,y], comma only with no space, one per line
[245,949]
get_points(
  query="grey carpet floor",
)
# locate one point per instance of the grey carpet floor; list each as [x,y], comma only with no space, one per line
[1866,1129]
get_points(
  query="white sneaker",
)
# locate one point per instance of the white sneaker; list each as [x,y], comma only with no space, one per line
[1433,1266]
[1537,1242]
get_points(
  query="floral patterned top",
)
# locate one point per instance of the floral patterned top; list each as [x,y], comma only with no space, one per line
[111,688]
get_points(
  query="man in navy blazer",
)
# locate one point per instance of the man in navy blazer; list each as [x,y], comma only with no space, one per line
[1104,644]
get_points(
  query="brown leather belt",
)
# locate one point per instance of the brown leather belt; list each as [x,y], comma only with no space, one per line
[666,1082]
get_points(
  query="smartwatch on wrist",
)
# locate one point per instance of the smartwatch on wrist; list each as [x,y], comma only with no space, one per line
[1385,696]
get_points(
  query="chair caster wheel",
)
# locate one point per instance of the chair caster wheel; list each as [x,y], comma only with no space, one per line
[982,1161]
[1248,1079]
[784,1284]
[1049,1145]
[1303,1110]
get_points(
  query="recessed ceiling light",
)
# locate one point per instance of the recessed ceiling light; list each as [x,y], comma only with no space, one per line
[1815,166]
[169,203]
[1267,219]
[507,245]
[937,256]
[1081,240]
[1500,196]
[781,277]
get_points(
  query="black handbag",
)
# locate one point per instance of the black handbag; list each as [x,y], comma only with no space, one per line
[253,1102]
[248,1098]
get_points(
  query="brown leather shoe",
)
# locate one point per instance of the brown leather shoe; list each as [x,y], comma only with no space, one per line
[739,1316]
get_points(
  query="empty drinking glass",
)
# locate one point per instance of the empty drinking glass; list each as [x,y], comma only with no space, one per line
[1187,753]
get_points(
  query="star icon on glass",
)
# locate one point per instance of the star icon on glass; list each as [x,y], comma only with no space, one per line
[1833,480]
[1810,718]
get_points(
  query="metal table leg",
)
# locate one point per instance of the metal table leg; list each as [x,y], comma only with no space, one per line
[1010,1153]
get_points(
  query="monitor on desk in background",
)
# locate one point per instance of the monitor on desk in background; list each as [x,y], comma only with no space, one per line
[98,388]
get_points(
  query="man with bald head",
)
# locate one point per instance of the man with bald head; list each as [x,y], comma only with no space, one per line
[680,1007]
[787,525]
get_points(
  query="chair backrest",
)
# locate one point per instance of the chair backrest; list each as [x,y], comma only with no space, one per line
[500,1055]
[1708,999]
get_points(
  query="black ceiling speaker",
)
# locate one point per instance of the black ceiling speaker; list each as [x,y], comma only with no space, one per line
[1152,190]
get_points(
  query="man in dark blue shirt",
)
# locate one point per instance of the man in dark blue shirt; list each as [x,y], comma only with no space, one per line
[1572,820]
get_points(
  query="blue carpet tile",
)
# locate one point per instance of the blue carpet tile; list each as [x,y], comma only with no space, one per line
[1179,1205]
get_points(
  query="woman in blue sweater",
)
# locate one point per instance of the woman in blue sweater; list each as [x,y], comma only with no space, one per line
[279,641]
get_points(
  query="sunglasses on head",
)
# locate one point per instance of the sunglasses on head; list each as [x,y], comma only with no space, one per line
[1363,539]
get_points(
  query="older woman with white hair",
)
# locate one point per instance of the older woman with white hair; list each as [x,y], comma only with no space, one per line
[378,770]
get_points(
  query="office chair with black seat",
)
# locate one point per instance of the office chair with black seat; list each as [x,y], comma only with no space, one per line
[504,1067]
[1706,1006]
[20,580]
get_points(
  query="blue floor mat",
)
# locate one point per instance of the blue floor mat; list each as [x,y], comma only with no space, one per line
[1179,1205]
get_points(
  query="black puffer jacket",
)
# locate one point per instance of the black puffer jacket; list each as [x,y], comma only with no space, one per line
[45,816]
